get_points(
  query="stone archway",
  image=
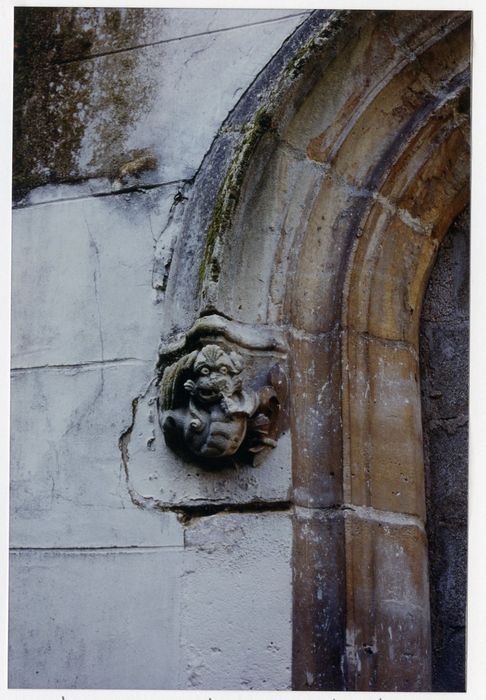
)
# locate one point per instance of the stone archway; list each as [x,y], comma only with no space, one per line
[339,183]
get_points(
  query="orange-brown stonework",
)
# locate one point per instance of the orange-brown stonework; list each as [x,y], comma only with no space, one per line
[340,215]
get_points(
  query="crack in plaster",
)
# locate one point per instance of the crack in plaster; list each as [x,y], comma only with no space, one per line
[363,512]
[117,548]
[202,50]
[82,366]
[96,275]
[165,242]
[137,47]
[112,191]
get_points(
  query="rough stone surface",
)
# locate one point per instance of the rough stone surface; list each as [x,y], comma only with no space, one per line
[96,83]
[305,215]
[82,279]
[236,619]
[68,488]
[387,633]
[160,476]
[396,258]
[278,200]
[386,474]
[444,365]
[94,619]
[319,599]
[316,421]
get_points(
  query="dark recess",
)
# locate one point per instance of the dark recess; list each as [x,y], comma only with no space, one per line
[444,358]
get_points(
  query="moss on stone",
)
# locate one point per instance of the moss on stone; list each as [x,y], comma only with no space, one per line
[298,59]
[47,118]
[301,56]
[229,192]
[59,90]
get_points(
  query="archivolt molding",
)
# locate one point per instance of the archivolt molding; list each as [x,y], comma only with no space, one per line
[301,196]
[336,193]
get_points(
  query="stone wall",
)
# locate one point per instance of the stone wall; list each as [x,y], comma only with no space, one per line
[115,110]
[277,183]
[444,370]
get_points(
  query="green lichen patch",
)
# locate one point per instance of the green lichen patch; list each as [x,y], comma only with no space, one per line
[60,92]
[229,192]
[48,123]
[300,58]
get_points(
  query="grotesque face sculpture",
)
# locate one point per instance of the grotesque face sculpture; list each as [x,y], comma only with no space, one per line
[216,375]
[211,414]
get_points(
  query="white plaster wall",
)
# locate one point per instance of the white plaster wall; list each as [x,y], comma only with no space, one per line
[102,593]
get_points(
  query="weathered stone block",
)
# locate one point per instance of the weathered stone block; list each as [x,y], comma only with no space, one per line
[99,105]
[94,619]
[415,31]
[316,420]
[388,618]
[319,599]
[445,39]
[314,292]
[67,485]
[384,119]
[87,271]
[236,612]
[365,58]
[383,399]
[257,261]
[390,270]
[440,188]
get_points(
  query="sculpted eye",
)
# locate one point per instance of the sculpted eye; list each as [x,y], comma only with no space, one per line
[223,370]
[204,370]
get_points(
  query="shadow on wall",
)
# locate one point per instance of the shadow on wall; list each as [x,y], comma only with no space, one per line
[444,359]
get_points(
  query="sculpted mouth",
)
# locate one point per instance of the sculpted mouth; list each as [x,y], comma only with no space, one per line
[208,393]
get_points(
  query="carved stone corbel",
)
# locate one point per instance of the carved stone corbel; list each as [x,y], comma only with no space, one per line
[217,405]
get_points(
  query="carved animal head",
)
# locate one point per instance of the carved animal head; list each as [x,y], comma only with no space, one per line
[215,374]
